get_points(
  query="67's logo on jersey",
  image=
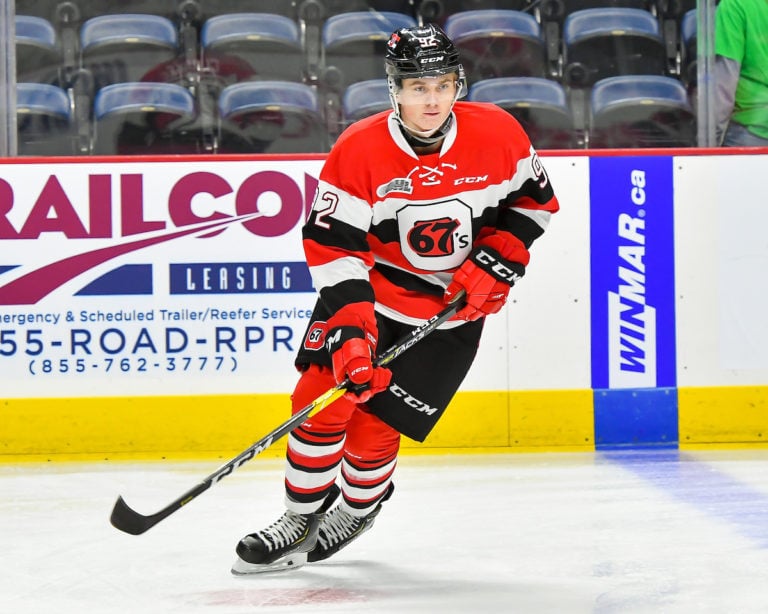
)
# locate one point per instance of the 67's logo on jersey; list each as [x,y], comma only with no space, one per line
[434,238]
[437,236]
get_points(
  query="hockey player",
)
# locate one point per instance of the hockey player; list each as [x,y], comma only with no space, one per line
[413,206]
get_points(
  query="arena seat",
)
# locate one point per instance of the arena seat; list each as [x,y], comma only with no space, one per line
[354,43]
[43,120]
[688,48]
[552,14]
[271,117]
[600,43]
[365,98]
[145,117]
[269,43]
[37,49]
[497,43]
[540,105]
[641,111]
[123,48]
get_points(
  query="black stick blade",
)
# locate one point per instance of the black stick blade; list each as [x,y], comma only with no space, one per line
[128,520]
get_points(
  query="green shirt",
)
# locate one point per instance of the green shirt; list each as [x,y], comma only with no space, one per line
[741,34]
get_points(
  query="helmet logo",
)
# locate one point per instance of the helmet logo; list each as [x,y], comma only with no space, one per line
[427,41]
[393,40]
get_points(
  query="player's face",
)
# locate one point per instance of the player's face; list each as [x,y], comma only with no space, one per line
[426,102]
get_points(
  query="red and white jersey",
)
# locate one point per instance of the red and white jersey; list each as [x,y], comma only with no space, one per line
[392,226]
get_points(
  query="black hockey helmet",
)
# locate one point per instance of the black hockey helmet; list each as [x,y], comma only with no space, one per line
[422,51]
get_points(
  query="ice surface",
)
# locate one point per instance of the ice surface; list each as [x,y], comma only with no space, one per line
[639,531]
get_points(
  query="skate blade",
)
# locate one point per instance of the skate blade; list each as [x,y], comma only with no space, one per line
[292,561]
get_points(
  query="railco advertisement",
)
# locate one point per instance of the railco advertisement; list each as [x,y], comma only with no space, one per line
[162,278]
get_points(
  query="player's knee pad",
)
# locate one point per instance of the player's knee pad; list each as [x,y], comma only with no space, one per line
[369,438]
[314,382]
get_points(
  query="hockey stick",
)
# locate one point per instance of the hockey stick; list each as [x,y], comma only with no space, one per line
[130,521]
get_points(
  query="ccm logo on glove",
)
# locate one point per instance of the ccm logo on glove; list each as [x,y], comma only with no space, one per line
[486,278]
[496,267]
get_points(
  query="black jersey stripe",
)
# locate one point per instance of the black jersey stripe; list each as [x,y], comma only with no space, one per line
[343,237]
[408,281]
[343,293]
[520,225]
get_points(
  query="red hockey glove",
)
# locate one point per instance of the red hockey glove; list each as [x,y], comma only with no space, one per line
[486,277]
[352,349]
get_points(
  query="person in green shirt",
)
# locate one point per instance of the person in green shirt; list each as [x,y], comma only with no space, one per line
[741,73]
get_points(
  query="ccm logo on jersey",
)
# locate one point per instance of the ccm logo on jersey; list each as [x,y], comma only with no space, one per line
[412,401]
[497,269]
[479,179]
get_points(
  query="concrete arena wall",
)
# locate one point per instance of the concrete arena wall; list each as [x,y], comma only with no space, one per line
[557,371]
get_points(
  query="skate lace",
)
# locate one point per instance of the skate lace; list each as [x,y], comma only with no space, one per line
[337,526]
[284,531]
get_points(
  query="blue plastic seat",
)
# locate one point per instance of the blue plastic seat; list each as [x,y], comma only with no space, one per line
[688,48]
[688,26]
[641,111]
[143,117]
[270,43]
[42,98]
[37,48]
[271,117]
[122,48]
[354,43]
[144,97]
[43,120]
[600,43]
[540,105]
[365,98]
[498,43]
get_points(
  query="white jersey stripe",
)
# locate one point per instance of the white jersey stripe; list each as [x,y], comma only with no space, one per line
[343,269]
[348,209]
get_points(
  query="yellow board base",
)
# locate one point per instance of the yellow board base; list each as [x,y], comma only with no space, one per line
[154,428]
[723,415]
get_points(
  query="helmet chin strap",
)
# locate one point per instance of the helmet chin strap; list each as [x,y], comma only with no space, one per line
[424,138]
